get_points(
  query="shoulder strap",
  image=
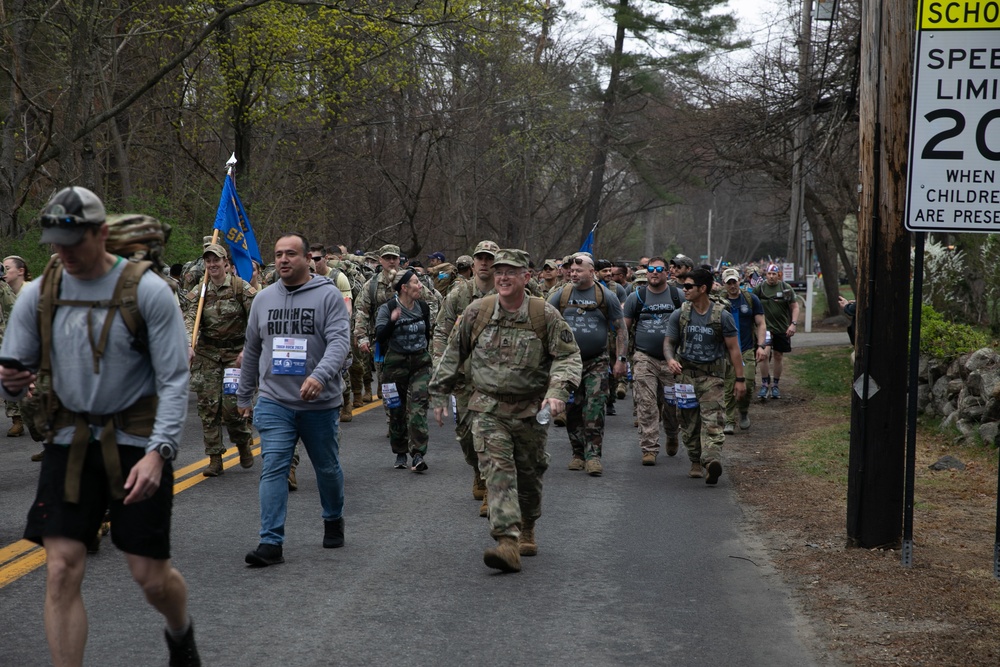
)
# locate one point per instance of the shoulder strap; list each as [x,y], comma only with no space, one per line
[486,309]
[640,294]
[675,295]
[536,314]
[425,310]
[564,294]
[51,277]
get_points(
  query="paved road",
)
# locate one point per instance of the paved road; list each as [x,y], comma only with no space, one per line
[641,566]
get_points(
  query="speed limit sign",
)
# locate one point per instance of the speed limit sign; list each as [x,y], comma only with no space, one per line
[955,118]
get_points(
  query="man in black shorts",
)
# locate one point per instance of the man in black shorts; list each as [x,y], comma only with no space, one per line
[781,311]
[106,448]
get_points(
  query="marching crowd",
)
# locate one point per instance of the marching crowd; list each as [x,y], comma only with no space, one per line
[505,343]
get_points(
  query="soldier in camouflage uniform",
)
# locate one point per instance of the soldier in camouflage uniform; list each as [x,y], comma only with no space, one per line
[700,336]
[376,291]
[220,346]
[592,317]
[522,356]
[13,410]
[458,300]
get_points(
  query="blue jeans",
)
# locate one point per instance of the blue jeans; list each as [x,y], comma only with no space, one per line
[280,428]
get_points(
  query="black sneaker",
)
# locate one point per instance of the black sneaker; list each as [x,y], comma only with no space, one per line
[264,555]
[183,652]
[400,463]
[333,533]
[419,465]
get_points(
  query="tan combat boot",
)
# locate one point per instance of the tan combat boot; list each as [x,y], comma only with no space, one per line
[366,395]
[293,482]
[478,485]
[696,471]
[246,455]
[504,556]
[526,542]
[214,468]
[345,413]
[16,428]
[484,509]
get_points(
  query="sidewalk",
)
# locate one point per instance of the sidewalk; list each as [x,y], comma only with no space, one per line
[820,339]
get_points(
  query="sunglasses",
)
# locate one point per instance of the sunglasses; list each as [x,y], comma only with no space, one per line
[56,220]
[687,286]
[580,261]
[318,258]
[656,269]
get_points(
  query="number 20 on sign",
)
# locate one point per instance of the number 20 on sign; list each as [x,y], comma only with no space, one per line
[955,118]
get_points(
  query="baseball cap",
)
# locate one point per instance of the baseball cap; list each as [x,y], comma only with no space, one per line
[550,264]
[215,249]
[436,255]
[511,257]
[388,249]
[682,260]
[463,262]
[486,247]
[730,274]
[69,214]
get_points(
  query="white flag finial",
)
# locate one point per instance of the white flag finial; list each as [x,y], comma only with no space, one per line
[231,161]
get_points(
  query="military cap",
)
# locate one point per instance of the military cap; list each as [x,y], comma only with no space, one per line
[488,248]
[463,262]
[388,249]
[550,264]
[215,249]
[511,257]
[730,274]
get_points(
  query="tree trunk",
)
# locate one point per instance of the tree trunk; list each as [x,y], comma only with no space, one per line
[878,419]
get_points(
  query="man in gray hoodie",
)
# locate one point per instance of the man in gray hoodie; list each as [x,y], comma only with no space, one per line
[297,342]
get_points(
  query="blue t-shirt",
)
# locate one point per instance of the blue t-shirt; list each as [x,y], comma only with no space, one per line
[743,313]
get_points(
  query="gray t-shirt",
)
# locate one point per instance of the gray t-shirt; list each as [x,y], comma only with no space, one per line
[589,325]
[410,333]
[650,319]
[699,343]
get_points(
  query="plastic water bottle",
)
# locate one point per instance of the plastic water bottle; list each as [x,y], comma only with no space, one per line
[544,415]
[767,338]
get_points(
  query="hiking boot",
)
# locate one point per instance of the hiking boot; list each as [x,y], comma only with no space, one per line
[774,392]
[366,396]
[214,468]
[478,485]
[744,421]
[621,391]
[358,403]
[729,428]
[576,463]
[484,509]
[400,463]
[672,444]
[38,457]
[695,472]
[649,458]
[246,455]
[611,412]
[559,418]
[714,469]
[762,394]
[293,483]
[526,541]
[505,556]
[264,555]
[333,533]
[419,465]
[635,423]
[16,428]
[183,652]
[594,467]
[345,414]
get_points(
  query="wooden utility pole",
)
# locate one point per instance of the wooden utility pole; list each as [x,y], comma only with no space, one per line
[878,408]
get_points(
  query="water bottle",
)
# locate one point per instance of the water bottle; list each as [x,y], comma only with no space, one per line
[544,415]
[767,338]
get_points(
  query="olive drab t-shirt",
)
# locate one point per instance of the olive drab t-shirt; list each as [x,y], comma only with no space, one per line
[589,325]
[777,302]
[650,319]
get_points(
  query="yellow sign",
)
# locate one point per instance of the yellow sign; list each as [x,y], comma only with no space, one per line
[959,15]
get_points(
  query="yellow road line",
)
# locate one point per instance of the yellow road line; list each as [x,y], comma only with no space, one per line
[23,557]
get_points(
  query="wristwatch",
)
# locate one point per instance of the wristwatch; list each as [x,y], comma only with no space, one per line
[623,358]
[166,450]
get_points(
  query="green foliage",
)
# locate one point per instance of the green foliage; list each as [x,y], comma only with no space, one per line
[825,371]
[946,339]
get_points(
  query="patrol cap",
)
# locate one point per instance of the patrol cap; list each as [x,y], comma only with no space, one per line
[641,276]
[730,274]
[511,257]
[682,260]
[487,248]
[550,264]
[463,262]
[388,249]
[69,214]
[436,255]
[206,241]
[215,249]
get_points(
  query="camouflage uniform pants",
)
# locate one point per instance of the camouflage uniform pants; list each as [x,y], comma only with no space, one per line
[13,408]
[585,415]
[749,371]
[408,421]
[702,426]
[649,376]
[357,371]
[215,408]
[513,459]
[463,428]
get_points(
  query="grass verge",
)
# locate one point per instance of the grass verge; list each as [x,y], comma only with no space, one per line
[825,374]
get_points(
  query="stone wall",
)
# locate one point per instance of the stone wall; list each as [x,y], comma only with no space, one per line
[965,392]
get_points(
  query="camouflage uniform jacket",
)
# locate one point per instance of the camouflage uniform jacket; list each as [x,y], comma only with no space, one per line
[223,320]
[192,274]
[457,301]
[511,370]
[7,298]
[365,308]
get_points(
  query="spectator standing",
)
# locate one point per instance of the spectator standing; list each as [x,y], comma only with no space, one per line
[781,312]
[748,314]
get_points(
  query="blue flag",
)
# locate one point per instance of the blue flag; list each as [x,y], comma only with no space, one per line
[234,226]
[588,244]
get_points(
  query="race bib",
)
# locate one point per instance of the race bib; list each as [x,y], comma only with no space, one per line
[390,395]
[668,395]
[685,397]
[454,407]
[288,356]
[230,381]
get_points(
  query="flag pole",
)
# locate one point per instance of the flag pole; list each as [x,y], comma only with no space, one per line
[230,166]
